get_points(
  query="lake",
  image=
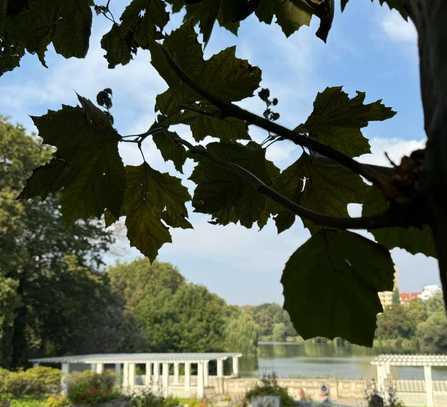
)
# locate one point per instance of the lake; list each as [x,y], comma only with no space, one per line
[321,360]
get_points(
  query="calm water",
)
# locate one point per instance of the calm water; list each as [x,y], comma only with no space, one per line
[321,360]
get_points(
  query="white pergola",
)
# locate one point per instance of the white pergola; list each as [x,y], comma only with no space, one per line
[157,369]
[385,362]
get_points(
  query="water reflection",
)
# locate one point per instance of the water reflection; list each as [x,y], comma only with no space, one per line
[311,359]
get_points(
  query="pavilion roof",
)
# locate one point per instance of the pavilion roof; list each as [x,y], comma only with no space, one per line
[137,358]
[411,360]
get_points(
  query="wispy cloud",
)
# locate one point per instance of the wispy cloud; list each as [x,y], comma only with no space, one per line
[399,30]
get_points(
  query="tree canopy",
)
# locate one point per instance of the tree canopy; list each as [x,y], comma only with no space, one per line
[403,205]
[50,290]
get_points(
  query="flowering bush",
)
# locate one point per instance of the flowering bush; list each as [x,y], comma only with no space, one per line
[269,387]
[91,388]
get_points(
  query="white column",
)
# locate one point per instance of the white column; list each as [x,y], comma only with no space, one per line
[65,371]
[147,377]
[188,377]
[93,367]
[131,375]
[200,382]
[205,372]
[428,385]
[99,368]
[155,382]
[35,364]
[118,374]
[235,366]
[176,373]
[165,379]
[125,376]
[220,376]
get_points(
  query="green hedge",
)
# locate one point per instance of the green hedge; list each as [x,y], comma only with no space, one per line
[37,381]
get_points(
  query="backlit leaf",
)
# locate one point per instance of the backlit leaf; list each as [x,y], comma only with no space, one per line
[86,167]
[414,240]
[337,119]
[66,24]
[331,284]
[152,201]
[321,185]
[224,75]
[141,23]
[226,195]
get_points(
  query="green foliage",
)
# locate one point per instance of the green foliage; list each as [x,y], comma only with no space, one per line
[269,387]
[86,166]
[89,388]
[58,400]
[49,294]
[241,333]
[227,196]
[416,326]
[28,402]
[337,119]
[152,197]
[33,25]
[37,381]
[332,266]
[147,399]
[234,182]
[323,185]
[414,240]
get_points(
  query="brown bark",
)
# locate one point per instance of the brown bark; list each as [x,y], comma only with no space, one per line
[430,18]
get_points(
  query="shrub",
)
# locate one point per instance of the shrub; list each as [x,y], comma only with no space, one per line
[37,381]
[91,388]
[57,401]
[269,387]
[147,399]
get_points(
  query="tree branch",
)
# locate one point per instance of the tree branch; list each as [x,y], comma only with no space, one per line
[230,109]
[385,219]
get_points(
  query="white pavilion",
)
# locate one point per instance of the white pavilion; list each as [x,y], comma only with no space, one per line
[435,391]
[176,374]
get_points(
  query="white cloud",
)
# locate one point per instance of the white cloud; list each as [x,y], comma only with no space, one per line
[394,147]
[397,29]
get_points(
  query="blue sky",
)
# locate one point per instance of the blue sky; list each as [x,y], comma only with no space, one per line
[369,49]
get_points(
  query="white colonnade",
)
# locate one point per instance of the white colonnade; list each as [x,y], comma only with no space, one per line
[384,363]
[178,374]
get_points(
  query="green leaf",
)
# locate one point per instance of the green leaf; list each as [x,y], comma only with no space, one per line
[224,193]
[321,185]
[203,124]
[223,75]
[86,166]
[228,13]
[66,24]
[170,148]
[414,240]
[290,16]
[331,291]
[140,24]
[152,200]
[337,119]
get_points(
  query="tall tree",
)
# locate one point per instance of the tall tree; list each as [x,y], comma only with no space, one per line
[42,260]
[403,206]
